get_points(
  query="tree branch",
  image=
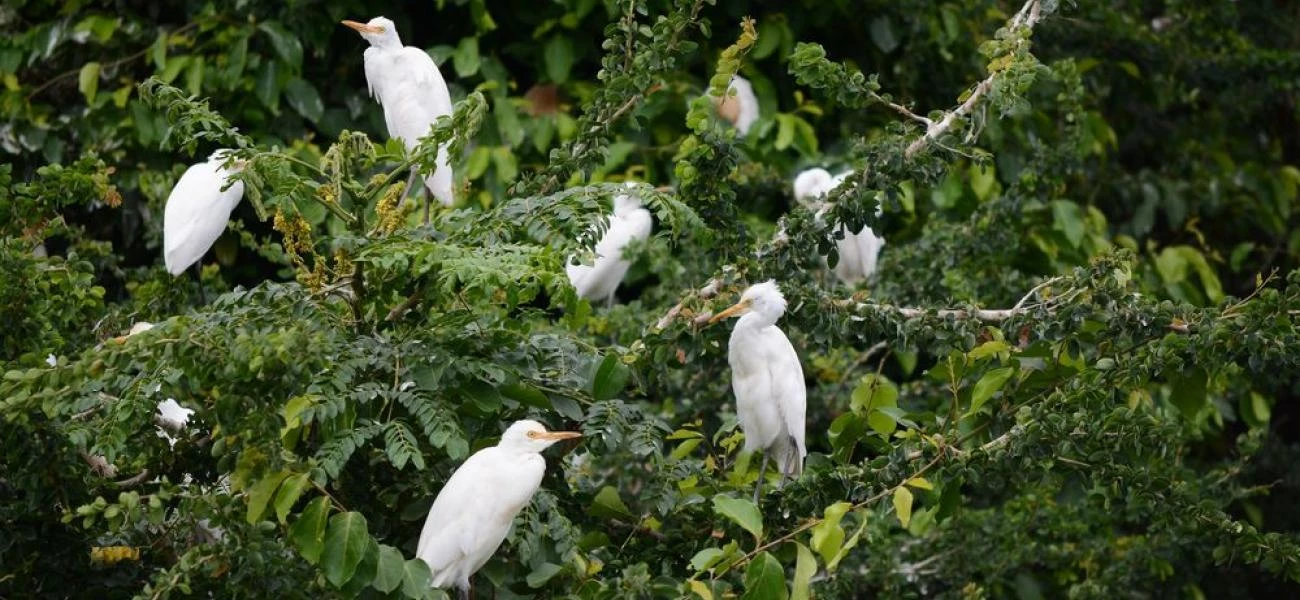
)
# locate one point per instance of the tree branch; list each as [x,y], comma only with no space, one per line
[709,290]
[979,314]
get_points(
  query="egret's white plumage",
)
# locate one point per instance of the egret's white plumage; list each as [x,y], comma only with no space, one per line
[767,379]
[474,510]
[740,107]
[197,211]
[407,83]
[858,252]
[599,280]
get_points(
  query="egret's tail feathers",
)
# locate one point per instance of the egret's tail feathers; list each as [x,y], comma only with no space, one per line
[440,189]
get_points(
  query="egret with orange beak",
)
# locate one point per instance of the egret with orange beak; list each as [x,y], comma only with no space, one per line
[766,376]
[473,512]
[407,83]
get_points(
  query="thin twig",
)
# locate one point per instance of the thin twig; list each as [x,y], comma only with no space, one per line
[406,305]
[131,482]
[709,290]
[112,65]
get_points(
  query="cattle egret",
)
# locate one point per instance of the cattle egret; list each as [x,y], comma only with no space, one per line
[407,83]
[473,512]
[768,381]
[739,106]
[859,251]
[629,222]
[197,210]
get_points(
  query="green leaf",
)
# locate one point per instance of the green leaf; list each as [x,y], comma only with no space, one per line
[267,88]
[290,491]
[609,379]
[701,589]
[764,579]
[705,558]
[828,536]
[308,532]
[607,505]
[304,99]
[466,58]
[873,392]
[542,574]
[345,544]
[194,75]
[416,578]
[984,389]
[805,567]
[903,505]
[989,348]
[1188,391]
[882,34]
[741,512]
[1068,220]
[285,43]
[88,81]
[388,574]
[558,56]
[261,493]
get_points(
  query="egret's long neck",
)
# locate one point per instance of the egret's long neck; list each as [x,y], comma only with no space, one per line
[753,321]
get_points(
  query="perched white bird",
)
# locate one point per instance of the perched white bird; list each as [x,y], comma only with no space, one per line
[768,381]
[474,510]
[407,83]
[171,419]
[629,222]
[740,106]
[197,211]
[859,251]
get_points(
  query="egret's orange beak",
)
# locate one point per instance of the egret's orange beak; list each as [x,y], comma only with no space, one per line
[738,308]
[363,28]
[560,435]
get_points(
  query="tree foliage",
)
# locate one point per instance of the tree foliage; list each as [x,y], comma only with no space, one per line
[1074,374]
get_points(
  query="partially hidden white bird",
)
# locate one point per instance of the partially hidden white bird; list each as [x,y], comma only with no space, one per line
[407,83]
[599,280]
[740,106]
[197,210]
[766,376]
[473,512]
[858,252]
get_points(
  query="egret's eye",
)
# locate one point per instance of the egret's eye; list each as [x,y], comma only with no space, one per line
[534,434]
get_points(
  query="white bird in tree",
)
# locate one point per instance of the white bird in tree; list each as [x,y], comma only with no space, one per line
[858,252]
[739,106]
[599,280]
[767,379]
[474,510]
[197,210]
[407,83]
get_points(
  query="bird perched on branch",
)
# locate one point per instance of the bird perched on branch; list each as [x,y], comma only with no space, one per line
[739,107]
[197,210]
[858,252]
[473,512]
[766,376]
[629,222]
[407,83]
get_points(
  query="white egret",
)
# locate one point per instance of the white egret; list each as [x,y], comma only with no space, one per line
[407,83]
[197,210]
[599,280]
[474,510]
[859,251]
[739,106]
[171,418]
[768,381]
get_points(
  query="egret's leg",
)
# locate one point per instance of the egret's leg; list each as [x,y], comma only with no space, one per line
[464,591]
[762,472]
[428,201]
[609,302]
[198,276]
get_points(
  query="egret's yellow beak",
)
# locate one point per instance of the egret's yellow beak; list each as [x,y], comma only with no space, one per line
[559,435]
[363,28]
[738,308]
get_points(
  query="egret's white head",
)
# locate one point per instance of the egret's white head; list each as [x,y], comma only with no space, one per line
[764,300]
[812,184]
[626,203]
[380,32]
[740,105]
[530,436]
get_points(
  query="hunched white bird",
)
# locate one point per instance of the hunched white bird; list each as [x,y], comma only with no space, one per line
[858,252]
[473,512]
[629,222]
[197,210]
[740,105]
[766,376]
[407,83]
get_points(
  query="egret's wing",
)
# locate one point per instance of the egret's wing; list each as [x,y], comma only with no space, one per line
[196,214]
[375,73]
[788,385]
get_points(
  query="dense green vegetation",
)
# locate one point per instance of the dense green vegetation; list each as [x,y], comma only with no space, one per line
[1074,375]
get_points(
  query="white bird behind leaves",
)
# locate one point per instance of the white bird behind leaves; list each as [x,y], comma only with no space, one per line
[740,105]
[858,252]
[472,514]
[408,85]
[197,211]
[771,399]
[599,280]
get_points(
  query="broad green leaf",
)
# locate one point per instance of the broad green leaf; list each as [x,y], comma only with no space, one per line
[1188,391]
[1068,219]
[990,383]
[194,75]
[701,589]
[304,99]
[526,394]
[261,493]
[849,544]
[920,483]
[741,512]
[764,579]
[705,558]
[903,505]
[466,58]
[989,348]
[388,574]
[285,43]
[558,56]
[289,493]
[88,81]
[345,544]
[609,379]
[607,505]
[539,576]
[308,532]
[416,578]
[805,567]
[873,392]
[828,536]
